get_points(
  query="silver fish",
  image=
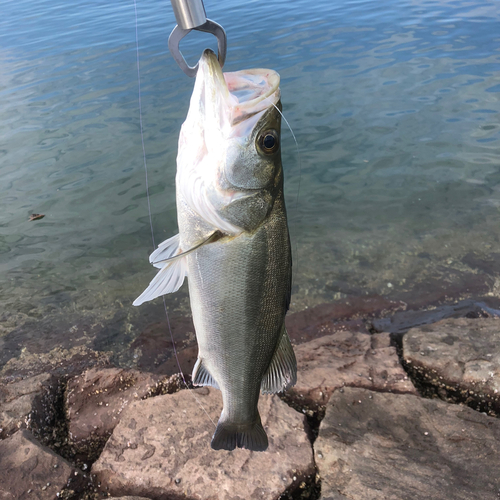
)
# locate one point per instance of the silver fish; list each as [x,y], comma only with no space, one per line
[233,245]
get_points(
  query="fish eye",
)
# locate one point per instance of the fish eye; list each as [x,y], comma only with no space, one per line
[268,141]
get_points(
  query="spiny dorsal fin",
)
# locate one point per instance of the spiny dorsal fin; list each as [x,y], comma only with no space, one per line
[201,376]
[282,371]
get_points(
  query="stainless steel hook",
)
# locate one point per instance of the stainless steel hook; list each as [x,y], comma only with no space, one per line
[190,15]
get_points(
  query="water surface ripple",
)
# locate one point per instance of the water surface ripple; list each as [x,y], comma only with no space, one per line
[395,106]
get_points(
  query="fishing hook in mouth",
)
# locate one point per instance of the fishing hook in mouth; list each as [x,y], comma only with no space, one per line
[190,15]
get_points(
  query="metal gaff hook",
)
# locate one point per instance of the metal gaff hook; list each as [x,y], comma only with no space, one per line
[190,14]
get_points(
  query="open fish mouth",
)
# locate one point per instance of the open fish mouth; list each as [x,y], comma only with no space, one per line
[235,96]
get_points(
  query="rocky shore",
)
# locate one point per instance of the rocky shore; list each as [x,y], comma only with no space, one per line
[392,405]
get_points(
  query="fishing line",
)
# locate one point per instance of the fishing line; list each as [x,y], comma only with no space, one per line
[149,211]
[296,146]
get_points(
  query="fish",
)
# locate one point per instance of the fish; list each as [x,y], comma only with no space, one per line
[233,245]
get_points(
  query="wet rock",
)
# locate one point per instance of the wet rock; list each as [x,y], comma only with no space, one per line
[59,361]
[185,359]
[27,403]
[458,360]
[95,400]
[446,285]
[153,348]
[346,359]
[400,322]
[32,471]
[373,313]
[51,333]
[351,313]
[162,445]
[382,446]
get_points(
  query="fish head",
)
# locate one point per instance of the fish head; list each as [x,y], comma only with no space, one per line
[229,149]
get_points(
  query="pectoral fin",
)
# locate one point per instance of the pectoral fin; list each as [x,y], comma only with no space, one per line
[169,279]
[282,371]
[171,259]
[165,257]
[165,250]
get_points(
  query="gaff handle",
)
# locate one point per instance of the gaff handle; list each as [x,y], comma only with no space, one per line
[190,15]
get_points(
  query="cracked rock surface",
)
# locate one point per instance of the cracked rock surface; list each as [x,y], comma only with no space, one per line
[96,399]
[24,403]
[346,359]
[457,359]
[382,446]
[128,498]
[30,470]
[161,449]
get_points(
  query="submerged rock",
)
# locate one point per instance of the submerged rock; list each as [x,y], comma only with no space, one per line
[59,362]
[458,360]
[32,471]
[153,349]
[396,446]
[350,313]
[27,403]
[346,359]
[161,448]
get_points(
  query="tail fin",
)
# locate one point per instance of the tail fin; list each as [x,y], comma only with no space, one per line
[229,436]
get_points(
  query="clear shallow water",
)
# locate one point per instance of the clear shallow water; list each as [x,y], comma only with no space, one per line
[395,106]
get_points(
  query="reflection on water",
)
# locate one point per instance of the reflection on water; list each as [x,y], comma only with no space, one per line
[395,106]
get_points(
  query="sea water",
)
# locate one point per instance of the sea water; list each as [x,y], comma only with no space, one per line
[395,189]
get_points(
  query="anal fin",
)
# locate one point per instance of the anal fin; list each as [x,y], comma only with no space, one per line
[201,376]
[282,371]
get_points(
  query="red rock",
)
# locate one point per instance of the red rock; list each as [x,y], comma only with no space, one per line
[458,360]
[346,359]
[381,446]
[32,471]
[96,399]
[161,449]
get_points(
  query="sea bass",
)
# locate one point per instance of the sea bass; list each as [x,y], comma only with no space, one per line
[233,245]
